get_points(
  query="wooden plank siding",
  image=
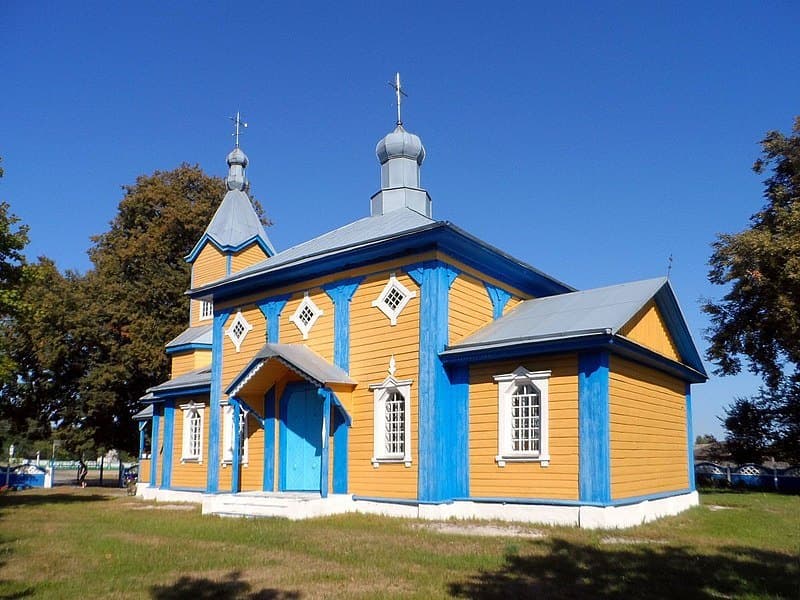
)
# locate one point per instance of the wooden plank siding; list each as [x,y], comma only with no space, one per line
[144,470]
[647,430]
[210,265]
[649,329]
[182,362]
[470,307]
[525,479]
[373,341]
[189,474]
[320,338]
[246,258]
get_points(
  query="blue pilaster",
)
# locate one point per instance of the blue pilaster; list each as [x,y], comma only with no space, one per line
[154,445]
[341,441]
[214,424]
[269,440]
[499,298]
[142,426]
[326,437]
[236,457]
[341,293]
[690,437]
[169,431]
[228,263]
[594,438]
[443,453]
[271,309]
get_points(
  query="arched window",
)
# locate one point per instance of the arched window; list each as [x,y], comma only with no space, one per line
[522,410]
[192,450]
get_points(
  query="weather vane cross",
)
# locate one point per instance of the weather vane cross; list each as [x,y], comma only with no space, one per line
[238,125]
[398,90]
[669,266]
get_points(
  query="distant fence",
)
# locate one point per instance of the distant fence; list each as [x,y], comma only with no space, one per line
[749,476]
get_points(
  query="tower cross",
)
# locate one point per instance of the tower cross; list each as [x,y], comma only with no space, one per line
[398,90]
[238,124]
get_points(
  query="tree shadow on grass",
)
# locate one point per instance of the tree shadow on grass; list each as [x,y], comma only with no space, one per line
[232,587]
[562,569]
[12,499]
[11,590]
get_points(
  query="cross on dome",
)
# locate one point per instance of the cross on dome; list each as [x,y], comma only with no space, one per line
[398,90]
[238,124]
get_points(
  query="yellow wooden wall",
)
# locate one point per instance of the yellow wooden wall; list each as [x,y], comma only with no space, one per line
[144,470]
[648,430]
[513,302]
[210,265]
[320,338]
[525,479]
[470,307]
[649,329]
[245,258]
[189,474]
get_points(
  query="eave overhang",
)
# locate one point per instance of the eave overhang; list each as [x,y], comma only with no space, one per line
[441,235]
[581,341]
[227,248]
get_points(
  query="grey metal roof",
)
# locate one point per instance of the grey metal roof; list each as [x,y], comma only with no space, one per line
[562,316]
[193,335]
[347,236]
[145,414]
[198,377]
[298,357]
[235,223]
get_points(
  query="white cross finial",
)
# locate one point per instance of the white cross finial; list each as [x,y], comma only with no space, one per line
[238,124]
[398,90]
[669,266]
[392,366]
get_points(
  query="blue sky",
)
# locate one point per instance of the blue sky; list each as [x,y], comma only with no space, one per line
[592,140]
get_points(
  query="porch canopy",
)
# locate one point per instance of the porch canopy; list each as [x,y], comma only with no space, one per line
[270,363]
[197,381]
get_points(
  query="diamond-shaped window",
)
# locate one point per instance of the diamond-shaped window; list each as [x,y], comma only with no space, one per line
[306,315]
[393,299]
[238,330]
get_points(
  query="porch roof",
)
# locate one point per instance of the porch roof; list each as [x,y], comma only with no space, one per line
[297,357]
[193,382]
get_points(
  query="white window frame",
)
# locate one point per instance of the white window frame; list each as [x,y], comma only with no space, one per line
[380,302]
[237,341]
[206,310]
[228,437]
[188,411]
[507,384]
[381,392]
[316,313]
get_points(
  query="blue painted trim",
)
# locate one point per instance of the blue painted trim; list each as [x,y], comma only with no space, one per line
[141,440]
[236,456]
[169,431]
[442,410]
[499,298]
[283,411]
[589,341]
[658,496]
[441,235]
[326,440]
[668,305]
[228,264]
[594,438]
[251,410]
[341,293]
[154,447]
[198,247]
[403,501]
[341,443]
[179,392]
[186,489]
[215,395]
[269,440]
[690,438]
[271,309]
[187,347]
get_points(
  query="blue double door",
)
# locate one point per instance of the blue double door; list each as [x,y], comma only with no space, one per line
[301,439]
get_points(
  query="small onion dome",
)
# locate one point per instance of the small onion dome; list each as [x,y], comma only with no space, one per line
[400,144]
[237,157]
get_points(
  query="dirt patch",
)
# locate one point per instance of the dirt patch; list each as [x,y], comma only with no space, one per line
[631,541]
[481,530]
[716,507]
[164,507]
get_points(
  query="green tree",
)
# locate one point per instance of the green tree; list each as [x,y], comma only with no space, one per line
[758,319]
[748,429]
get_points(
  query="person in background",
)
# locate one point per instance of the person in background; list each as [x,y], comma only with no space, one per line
[82,472]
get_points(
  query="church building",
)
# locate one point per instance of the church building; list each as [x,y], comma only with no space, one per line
[400,365]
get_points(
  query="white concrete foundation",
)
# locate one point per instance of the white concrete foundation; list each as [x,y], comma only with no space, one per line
[297,506]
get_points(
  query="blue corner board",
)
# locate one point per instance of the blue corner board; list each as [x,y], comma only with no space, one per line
[169,431]
[594,440]
[154,449]
[269,440]
[690,438]
[214,421]
[442,396]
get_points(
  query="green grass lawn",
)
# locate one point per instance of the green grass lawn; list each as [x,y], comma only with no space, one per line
[91,543]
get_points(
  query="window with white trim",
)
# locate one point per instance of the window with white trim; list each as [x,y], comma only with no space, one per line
[393,299]
[306,315]
[238,330]
[392,422]
[192,447]
[523,411]
[228,434]
[206,310]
